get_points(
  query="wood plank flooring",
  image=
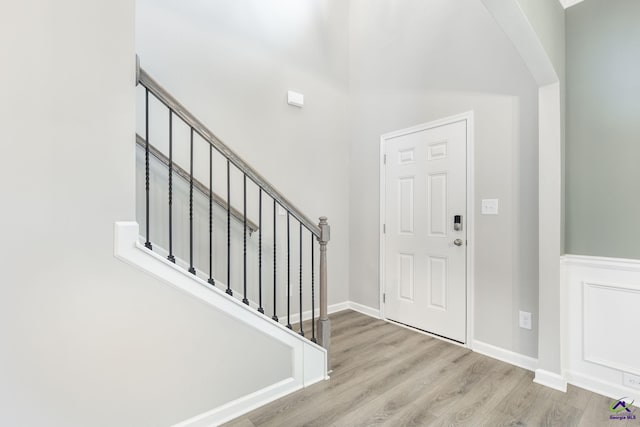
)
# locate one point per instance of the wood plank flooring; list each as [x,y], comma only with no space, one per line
[386,375]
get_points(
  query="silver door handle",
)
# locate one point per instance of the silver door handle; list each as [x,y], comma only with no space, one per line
[457,242]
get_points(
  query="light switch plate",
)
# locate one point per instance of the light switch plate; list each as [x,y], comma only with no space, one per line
[489,206]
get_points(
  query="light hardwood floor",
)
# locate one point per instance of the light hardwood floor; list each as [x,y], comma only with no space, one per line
[387,375]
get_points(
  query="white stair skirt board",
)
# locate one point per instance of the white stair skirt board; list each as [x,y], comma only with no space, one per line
[516,359]
[551,380]
[309,360]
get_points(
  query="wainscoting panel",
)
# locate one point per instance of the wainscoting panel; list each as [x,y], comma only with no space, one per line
[602,314]
[610,335]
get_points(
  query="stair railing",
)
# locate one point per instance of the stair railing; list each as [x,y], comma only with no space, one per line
[320,232]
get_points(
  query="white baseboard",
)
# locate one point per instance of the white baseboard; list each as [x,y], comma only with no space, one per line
[551,380]
[341,306]
[366,310]
[306,315]
[508,356]
[614,391]
[245,404]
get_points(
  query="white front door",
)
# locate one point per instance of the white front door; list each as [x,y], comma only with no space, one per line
[425,216]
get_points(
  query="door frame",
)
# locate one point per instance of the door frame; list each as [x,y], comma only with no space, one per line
[468,118]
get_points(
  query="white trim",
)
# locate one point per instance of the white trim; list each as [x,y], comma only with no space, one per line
[585,365]
[606,263]
[309,360]
[614,391]
[568,3]
[587,356]
[306,315]
[243,405]
[516,359]
[335,308]
[468,117]
[341,306]
[381,227]
[471,227]
[564,319]
[366,310]
[551,380]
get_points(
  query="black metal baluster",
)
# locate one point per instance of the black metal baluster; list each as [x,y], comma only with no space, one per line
[300,234]
[244,238]
[211,280]
[260,308]
[275,265]
[229,291]
[288,272]
[313,302]
[171,257]
[191,269]
[147,244]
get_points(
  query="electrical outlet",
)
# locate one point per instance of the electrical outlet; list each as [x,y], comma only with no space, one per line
[631,380]
[525,320]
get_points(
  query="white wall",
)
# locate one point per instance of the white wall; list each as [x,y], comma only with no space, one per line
[86,339]
[232,62]
[416,61]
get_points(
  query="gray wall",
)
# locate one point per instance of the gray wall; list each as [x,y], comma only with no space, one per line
[416,61]
[232,61]
[603,128]
[86,339]
[366,68]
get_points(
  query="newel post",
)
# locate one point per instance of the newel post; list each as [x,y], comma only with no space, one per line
[324,324]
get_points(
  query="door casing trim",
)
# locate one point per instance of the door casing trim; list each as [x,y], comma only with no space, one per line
[467,117]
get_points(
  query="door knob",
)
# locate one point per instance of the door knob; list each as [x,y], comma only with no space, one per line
[457,242]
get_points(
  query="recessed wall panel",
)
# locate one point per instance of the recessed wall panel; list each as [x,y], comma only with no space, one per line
[437,204]
[438,282]
[610,326]
[405,205]
[406,274]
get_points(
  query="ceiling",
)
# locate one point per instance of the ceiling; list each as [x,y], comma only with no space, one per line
[569,3]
